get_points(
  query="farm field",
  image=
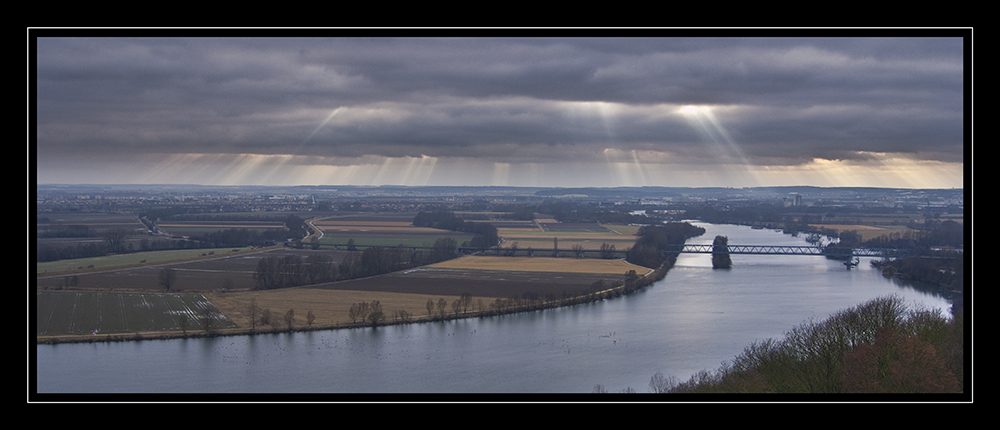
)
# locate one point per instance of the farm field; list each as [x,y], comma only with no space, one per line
[124,260]
[330,307]
[382,230]
[197,228]
[224,272]
[82,313]
[478,282]
[136,302]
[410,290]
[589,235]
[227,284]
[94,221]
[541,264]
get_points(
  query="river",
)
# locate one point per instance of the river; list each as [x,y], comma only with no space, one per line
[694,319]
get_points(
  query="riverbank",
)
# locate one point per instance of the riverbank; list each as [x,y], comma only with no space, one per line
[692,320]
[163,335]
[499,306]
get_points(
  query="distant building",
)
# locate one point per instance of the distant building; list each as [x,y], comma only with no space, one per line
[794,201]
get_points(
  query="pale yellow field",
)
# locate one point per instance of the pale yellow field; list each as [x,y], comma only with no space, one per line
[522,233]
[537,239]
[566,244]
[527,231]
[542,264]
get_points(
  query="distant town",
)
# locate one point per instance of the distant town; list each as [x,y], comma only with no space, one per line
[400,198]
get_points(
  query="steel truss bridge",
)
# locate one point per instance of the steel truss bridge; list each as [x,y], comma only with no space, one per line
[831,251]
[790,250]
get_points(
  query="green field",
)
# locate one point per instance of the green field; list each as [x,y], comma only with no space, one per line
[125,260]
[81,313]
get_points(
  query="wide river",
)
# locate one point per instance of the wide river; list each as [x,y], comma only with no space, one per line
[694,319]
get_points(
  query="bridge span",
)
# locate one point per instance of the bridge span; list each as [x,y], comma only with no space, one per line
[830,251]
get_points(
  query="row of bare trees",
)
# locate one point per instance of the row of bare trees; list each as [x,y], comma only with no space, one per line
[293,270]
[440,308]
[260,317]
[370,313]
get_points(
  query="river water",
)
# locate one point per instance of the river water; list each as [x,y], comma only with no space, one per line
[694,319]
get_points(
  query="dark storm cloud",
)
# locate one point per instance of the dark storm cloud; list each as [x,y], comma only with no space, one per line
[782,100]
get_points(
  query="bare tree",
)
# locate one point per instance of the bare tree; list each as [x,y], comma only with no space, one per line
[252,311]
[376,316]
[167,278]
[607,251]
[290,318]
[442,306]
[115,239]
[352,313]
[265,317]
[310,317]
[182,322]
[401,316]
[662,384]
[206,318]
[360,311]
[466,300]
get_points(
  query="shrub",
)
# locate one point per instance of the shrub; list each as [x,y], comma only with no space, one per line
[879,346]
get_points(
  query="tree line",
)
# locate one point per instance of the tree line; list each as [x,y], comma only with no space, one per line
[485,235]
[946,274]
[51,252]
[294,270]
[571,212]
[649,248]
[121,240]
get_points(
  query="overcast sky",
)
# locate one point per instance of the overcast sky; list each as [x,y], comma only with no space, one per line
[577,111]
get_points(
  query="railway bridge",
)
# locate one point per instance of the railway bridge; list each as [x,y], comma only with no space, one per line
[829,251]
